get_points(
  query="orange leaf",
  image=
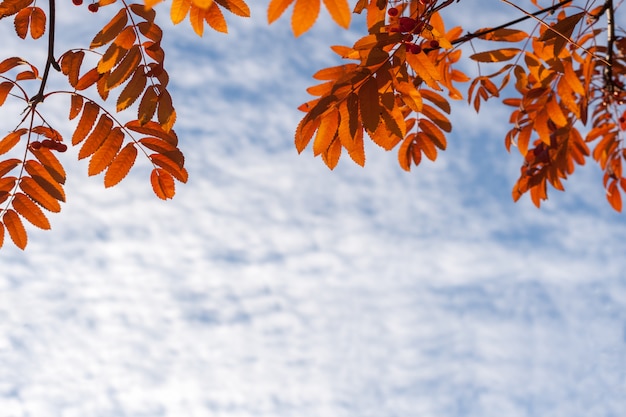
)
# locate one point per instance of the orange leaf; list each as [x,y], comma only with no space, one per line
[120,166]
[96,137]
[132,90]
[165,148]
[7,165]
[405,153]
[369,105]
[148,105]
[15,228]
[614,197]
[179,10]
[304,132]
[214,17]
[30,211]
[103,157]
[433,132]
[425,68]
[39,195]
[504,35]
[143,12]
[162,183]
[332,154]
[50,163]
[88,118]
[153,129]
[237,7]
[88,79]
[170,166]
[1,234]
[305,13]
[125,69]
[37,23]
[76,105]
[21,22]
[340,11]
[10,63]
[10,140]
[110,30]
[5,89]
[166,113]
[70,65]
[43,178]
[10,7]
[497,55]
[326,132]
[112,56]
[276,9]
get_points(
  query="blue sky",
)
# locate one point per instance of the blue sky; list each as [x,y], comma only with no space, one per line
[271,286]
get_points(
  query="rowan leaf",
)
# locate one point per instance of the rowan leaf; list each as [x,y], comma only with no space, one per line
[180,173]
[179,10]
[110,30]
[163,147]
[162,183]
[7,166]
[122,163]
[51,164]
[97,136]
[340,12]
[88,79]
[305,13]
[276,8]
[5,89]
[433,133]
[326,132]
[424,67]
[11,7]
[86,122]
[9,141]
[214,17]
[127,66]
[103,157]
[148,105]
[10,63]
[497,55]
[39,195]
[22,21]
[369,105]
[236,7]
[612,195]
[16,229]
[332,154]
[153,129]
[45,179]
[504,35]
[24,206]
[1,234]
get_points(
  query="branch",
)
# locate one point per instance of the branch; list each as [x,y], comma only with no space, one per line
[50,61]
[610,26]
[480,33]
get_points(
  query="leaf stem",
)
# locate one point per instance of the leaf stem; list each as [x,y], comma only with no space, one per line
[50,61]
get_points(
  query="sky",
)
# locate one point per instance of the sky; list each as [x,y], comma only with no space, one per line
[271,286]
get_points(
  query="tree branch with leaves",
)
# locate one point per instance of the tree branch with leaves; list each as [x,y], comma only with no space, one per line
[563,80]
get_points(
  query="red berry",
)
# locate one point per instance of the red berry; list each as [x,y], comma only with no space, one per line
[93,7]
[77,2]
[47,143]
[393,12]
[36,145]
[434,44]
[407,24]
[61,147]
[414,49]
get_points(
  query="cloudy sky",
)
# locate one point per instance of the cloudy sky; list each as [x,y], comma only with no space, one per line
[271,286]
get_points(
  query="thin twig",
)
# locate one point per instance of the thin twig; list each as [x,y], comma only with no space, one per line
[50,61]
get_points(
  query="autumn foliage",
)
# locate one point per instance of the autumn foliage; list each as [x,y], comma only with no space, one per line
[562,78]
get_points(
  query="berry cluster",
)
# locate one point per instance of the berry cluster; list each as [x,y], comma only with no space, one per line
[409,26]
[50,144]
[92,7]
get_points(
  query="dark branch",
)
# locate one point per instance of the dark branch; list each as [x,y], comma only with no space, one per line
[478,34]
[610,29]
[50,61]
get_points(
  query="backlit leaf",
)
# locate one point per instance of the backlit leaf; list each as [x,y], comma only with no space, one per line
[50,162]
[305,13]
[497,55]
[7,165]
[110,30]
[237,7]
[179,10]
[170,166]
[162,183]
[5,89]
[369,105]
[15,227]
[96,137]
[39,195]
[103,157]
[86,122]
[276,8]
[9,141]
[24,206]
[340,11]
[214,17]
[122,163]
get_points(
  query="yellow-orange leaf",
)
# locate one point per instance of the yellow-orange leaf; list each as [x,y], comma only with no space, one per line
[96,137]
[214,17]
[497,55]
[10,140]
[120,166]
[103,157]
[424,67]
[237,7]
[276,9]
[111,29]
[202,4]
[405,153]
[39,195]
[332,154]
[42,177]
[326,132]
[15,228]
[339,11]
[30,211]
[88,118]
[304,132]
[112,56]
[179,10]
[305,13]
[162,183]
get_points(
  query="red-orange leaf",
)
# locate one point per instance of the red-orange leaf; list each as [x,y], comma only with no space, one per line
[50,163]
[10,7]
[120,166]
[497,55]
[88,118]
[5,89]
[10,140]
[111,30]
[148,105]
[132,90]
[37,23]
[1,234]
[30,211]
[42,176]
[170,166]
[153,129]
[162,183]
[7,165]
[105,154]
[96,137]
[125,68]
[76,105]
[15,228]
